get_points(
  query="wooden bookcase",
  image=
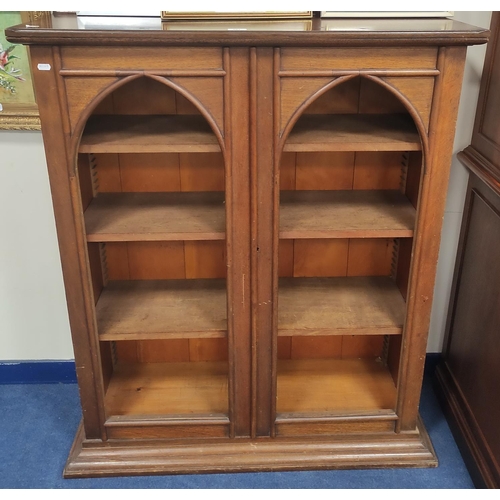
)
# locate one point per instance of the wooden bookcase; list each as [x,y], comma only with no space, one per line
[249,226]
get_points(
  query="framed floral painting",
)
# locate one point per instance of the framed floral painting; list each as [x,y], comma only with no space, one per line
[18,109]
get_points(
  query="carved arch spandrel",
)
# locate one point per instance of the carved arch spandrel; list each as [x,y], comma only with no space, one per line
[209,92]
[85,107]
[418,90]
[81,91]
[295,91]
[412,110]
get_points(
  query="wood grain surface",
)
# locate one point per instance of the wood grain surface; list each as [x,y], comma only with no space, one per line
[331,386]
[148,134]
[168,389]
[336,306]
[345,214]
[171,350]
[162,309]
[156,217]
[354,132]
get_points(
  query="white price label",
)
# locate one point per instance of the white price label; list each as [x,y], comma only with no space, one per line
[44,67]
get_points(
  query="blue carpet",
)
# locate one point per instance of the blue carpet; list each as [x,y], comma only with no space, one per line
[38,423]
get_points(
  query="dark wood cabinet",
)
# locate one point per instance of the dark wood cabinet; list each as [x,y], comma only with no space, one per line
[249,227]
[469,376]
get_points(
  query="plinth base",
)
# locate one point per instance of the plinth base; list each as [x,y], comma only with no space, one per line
[347,451]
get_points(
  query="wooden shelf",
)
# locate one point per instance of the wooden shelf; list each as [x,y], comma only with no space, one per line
[148,134]
[333,385]
[354,132]
[151,389]
[162,309]
[155,217]
[345,214]
[340,306]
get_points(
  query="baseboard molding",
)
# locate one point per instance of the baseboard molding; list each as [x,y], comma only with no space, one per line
[37,372]
[64,372]
[432,360]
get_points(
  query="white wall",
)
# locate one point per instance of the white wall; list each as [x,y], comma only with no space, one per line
[33,318]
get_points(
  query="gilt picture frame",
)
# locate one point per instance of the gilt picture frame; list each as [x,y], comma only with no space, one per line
[18,108]
[230,16]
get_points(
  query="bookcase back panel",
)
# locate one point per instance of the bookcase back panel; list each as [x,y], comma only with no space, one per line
[336,257]
[331,347]
[373,98]
[165,260]
[327,170]
[142,96]
[175,350]
[357,95]
[159,172]
[342,98]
